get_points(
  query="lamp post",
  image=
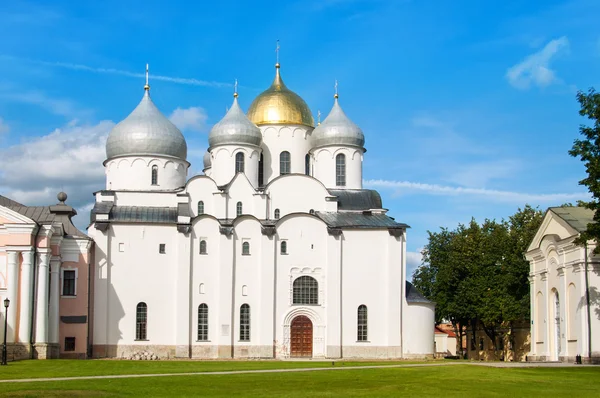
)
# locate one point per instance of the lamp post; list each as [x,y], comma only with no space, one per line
[6,304]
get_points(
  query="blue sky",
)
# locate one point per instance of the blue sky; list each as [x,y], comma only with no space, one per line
[468,107]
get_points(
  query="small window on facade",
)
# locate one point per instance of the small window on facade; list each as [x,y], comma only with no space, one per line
[246,248]
[154,175]
[284,247]
[277,214]
[141,330]
[68,283]
[239,162]
[162,248]
[481,345]
[239,209]
[121,247]
[244,290]
[200,207]
[202,322]
[261,173]
[307,164]
[340,170]
[473,347]
[362,323]
[69,343]
[245,322]
[284,163]
[201,288]
[306,291]
[203,247]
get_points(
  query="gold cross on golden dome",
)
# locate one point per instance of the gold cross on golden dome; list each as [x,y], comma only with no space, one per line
[277,53]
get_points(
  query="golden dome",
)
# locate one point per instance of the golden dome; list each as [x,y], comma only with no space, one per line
[279,105]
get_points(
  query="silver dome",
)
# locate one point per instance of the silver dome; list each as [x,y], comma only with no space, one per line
[146,131]
[338,129]
[207,160]
[234,128]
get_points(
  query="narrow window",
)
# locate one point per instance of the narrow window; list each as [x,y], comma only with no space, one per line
[277,214]
[284,163]
[306,291]
[68,283]
[284,247]
[69,343]
[340,170]
[203,247]
[239,162]
[202,322]
[362,323]
[154,175]
[473,348]
[261,173]
[141,322]
[238,209]
[162,248]
[307,164]
[246,248]
[245,322]
[481,345]
[200,207]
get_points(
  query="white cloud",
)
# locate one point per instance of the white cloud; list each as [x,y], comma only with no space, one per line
[490,194]
[3,127]
[479,174]
[57,106]
[192,118]
[413,261]
[535,68]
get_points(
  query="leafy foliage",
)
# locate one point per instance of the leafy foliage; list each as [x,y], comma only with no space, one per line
[477,274]
[588,151]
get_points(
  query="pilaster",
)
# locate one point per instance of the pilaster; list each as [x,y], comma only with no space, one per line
[25,297]
[13,290]
[53,315]
[41,325]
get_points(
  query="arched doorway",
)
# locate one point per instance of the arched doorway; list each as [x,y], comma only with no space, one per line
[301,337]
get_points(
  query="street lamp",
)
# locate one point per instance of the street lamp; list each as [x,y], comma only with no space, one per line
[6,304]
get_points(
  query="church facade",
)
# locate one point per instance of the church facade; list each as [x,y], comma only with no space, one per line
[564,280]
[276,251]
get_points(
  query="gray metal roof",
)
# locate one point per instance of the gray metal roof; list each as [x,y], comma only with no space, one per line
[146,131]
[234,128]
[158,215]
[6,202]
[358,220]
[338,129]
[357,199]
[413,295]
[206,160]
[577,217]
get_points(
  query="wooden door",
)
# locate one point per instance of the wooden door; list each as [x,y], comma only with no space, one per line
[302,337]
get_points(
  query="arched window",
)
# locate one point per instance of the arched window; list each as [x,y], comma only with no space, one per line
[340,170]
[154,175]
[284,247]
[306,291]
[141,322]
[202,246]
[307,164]
[200,207]
[246,248]
[238,209]
[245,322]
[362,323]
[239,162]
[261,173]
[284,163]
[277,214]
[202,322]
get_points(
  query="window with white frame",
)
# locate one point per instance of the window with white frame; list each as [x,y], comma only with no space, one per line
[245,322]
[340,170]
[203,322]
[362,323]
[306,291]
[239,208]
[154,175]
[69,282]
[277,214]
[307,164]
[200,207]
[284,248]
[239,162]
[285,163]
[246,248]
[203,247]
[141,322]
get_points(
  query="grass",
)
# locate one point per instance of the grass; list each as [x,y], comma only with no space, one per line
[447,381]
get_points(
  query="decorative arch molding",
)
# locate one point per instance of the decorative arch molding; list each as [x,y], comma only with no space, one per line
[306,311]
[216,151]
[122,163]
[270,130]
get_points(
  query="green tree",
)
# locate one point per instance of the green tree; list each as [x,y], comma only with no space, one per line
[588,151]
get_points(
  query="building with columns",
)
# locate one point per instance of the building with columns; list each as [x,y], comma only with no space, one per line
[276,251]
[44,262]
[564,278]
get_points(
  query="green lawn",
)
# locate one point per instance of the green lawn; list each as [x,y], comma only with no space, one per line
[441,381]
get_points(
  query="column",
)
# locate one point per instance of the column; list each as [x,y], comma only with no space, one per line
[13,290]
[26,297]
[41,325]
[53,315]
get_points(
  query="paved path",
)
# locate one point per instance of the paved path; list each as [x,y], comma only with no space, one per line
[234,372]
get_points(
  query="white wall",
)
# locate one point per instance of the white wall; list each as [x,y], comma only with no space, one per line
[223,163]
[324,166]
[418,323]
[135,173]
[276,139]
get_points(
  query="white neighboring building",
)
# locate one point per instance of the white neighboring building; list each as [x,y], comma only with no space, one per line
[275,252]
[563,325]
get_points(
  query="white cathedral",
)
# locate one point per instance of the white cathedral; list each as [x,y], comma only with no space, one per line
[277,251]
